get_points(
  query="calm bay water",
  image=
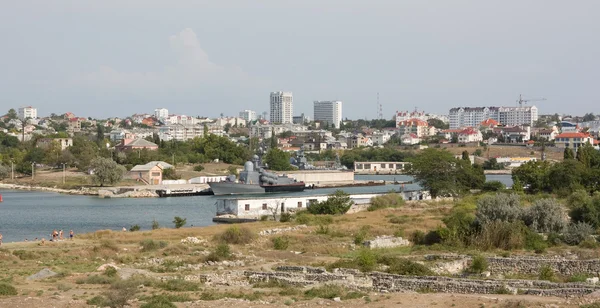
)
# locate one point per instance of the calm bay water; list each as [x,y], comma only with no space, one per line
[27,215]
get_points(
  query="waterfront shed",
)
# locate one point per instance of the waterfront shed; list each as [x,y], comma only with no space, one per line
[149,174]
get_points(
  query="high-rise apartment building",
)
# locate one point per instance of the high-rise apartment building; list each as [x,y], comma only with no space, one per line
[161,114]
[27,112]
[282,107]
[328,112]
[248,115]
[508,116]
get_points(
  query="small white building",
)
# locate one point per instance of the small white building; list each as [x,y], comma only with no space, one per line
[382,167]
[410,139]
[470,135]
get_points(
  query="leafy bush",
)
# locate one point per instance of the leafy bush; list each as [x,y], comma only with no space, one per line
[285,217]
[150,245]
[535,242]
[494,186]
[361,235]
[502,235]
[110,271]
[579,277]
[336,204]
[417,237]
[478,265]
[589,243]
[546,273]
[179,222]
[158,301]
[545,215]
[577,233]
[237,235]
[392,200]
[366,260]
[179,285]
[198,168]
[500,207]
[155,224]
[280,243]
[330,291]
[95,279]
[135,228]
[460,225]
[98,301]
[7,290]
[322,229]
[221,252]
[264,217]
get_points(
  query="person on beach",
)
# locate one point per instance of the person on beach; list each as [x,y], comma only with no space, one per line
[60,235]
[0,239]
[124,229]
[71,234]
[54,235]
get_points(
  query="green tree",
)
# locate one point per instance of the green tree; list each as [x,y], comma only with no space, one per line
[534,175]
[12,114]
[336,204]
[100,135]
[179,222]
[465,155]
[278,160]
[437,123]
[566,176]
[589,117]
[568,153]
[273,139]
[106,171]
[588,156]
[83,150]
[443,175]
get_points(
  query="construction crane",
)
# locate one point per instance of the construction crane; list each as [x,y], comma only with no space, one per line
[521,100]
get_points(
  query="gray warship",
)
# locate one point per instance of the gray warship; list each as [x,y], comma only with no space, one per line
[255,180]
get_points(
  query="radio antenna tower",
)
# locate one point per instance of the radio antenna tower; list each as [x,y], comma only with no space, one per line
[379,109]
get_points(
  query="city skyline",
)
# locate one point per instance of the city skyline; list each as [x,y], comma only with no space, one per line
[206,58]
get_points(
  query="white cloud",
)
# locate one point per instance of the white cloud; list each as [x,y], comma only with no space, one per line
[192,68]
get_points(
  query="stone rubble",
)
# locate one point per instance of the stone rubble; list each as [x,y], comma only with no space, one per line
[193,240]
[386,241]
[281,230]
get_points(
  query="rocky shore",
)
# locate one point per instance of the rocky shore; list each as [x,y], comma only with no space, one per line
[82,191]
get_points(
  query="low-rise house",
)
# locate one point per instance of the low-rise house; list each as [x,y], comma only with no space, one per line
[573,140]
[489,124]
[359,141]
[136,144]
[150,121]
[415,126]
[548,133]
[410,139]
[148,174]
[64,143]
[516,134]
[470,135]
[374,167]
[449,133]
[74,125]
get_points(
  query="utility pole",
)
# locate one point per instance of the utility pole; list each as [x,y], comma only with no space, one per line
[12,170]
[64,173]
[32,170]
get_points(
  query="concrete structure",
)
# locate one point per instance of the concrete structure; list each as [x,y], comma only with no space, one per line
[514,162]
[573,140]
[63,142]
[281,107]
[322,177]
[27,112]
[248,115]
[148,174]
[381,167]
[180,132]
[161,114]
[328,112]
[509,116]
[386,241]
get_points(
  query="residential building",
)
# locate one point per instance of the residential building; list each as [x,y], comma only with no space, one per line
[509,116]
[161,114]
[516,134]
[136,144]
[74,125]
[359,141]
[328,112]
[27,112]
[414,126]
[380,138]
[47,142]
[301,119]
[248,115]
[148,174]
[233,121]
[489,123]
[262,131]
[180,119]
[410,139]
[180,132]
[469,135]
[549,133]
[282,107]
[406,115]
[573,140]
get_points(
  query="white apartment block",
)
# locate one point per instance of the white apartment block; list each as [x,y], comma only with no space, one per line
[27,112]
[161,114]
[179,132]
[236,122]
[328,112]
[248,115]
[181,119]
[508,116]
[282,107]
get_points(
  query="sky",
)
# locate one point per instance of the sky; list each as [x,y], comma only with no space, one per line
[109,58]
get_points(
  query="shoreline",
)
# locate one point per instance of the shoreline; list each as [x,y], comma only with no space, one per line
[79,192]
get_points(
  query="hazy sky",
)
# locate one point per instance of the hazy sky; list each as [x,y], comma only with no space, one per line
[118,57]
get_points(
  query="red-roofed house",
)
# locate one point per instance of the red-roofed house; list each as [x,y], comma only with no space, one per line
[573,140]
[469,135]
[489,123]
[74,125]
[410,139]
[414,126]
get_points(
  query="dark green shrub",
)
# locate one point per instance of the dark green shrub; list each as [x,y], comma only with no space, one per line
[95,279]
[198,168]
[336,204]
[155,224]
[280,243]
[554,239]
[545,215]
[589,243]
[151,245]
[7,290]
[390,200]
[579,277]
[418,237]
[361,235]
[401,266]
[285,217]
[221,252]
[494,186]
[158,301]
[366,260]
[179,285]
[478,265]
[179,222]
[499,207]
[535,242]
[237,236]
[264,217]
[135,228]
[110,272]
[546,273]
[501,235]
